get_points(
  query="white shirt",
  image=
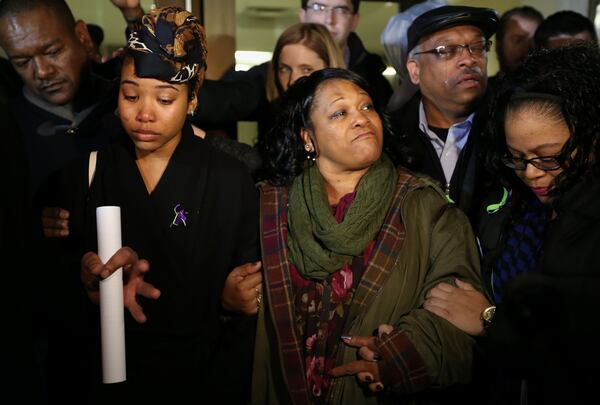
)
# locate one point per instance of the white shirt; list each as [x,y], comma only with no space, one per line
[448,151]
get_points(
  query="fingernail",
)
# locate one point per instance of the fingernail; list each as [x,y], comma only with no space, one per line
[346,338]
[379,387]
[376,357]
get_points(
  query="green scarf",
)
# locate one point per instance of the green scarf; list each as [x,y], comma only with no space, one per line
[318,245]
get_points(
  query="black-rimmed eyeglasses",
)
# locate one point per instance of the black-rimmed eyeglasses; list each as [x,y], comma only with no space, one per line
[477,49]
[318,8]
[545,163]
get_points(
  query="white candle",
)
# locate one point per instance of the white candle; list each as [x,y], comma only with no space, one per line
[108,222]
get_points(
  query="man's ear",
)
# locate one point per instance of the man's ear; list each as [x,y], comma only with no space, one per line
[355,21]
[302,15]
[83,36]
[414,71]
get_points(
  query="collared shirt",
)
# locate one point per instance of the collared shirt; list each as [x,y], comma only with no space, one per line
[448,151]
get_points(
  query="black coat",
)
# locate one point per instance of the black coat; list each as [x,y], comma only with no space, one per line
[545,332]
[184,349]
[19,230]
[52,142]
[469,174]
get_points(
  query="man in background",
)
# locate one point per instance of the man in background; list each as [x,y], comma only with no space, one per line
[341,17]
[447,59]
[63,111]
[565,28]
[514,38]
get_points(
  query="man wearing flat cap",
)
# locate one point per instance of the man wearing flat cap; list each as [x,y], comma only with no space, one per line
[447,59]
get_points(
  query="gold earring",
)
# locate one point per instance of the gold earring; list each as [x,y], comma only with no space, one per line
[311,156]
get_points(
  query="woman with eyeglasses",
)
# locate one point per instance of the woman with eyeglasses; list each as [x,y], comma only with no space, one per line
[539,232]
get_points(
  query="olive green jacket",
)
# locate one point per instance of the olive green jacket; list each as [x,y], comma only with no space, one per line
[423,241]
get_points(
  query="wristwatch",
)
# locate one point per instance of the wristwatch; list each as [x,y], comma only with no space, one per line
[487,315]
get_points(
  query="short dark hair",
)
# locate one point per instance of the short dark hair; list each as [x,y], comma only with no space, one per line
[283,153]
[58,7]
[525,11]
[355,5]
[561,83]
[96,33]
[563,22]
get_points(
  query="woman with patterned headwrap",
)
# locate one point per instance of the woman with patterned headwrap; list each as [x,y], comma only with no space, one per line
[189,210]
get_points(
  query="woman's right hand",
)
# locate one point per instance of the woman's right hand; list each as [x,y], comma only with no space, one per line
[461,305]
[93,270]
[243,289]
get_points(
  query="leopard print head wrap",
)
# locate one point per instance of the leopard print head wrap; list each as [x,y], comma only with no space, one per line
[169,44]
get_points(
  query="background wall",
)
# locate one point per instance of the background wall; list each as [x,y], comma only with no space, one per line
[258,23]
[107,16]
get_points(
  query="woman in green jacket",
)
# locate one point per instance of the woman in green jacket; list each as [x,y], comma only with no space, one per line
[350,242]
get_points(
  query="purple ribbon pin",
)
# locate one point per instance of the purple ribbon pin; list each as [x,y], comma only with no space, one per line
[180,216]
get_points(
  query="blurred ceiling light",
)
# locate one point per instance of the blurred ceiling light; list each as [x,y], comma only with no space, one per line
[390,71]
[244,60]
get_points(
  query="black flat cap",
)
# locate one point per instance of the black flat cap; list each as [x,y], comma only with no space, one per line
[444,17]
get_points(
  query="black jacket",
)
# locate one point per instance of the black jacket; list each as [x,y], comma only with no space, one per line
[52,141]
[544,331]
[468,174]
[370,67]
[183,349]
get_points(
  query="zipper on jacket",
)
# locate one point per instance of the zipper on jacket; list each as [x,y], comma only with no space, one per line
[447,193]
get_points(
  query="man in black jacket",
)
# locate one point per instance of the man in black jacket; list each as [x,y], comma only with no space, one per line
[447,59]
[65,110]
[341,18]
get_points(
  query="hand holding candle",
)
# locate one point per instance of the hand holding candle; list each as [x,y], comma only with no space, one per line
[94,268]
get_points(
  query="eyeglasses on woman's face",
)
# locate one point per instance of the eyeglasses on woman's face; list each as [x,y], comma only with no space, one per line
[545,163]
